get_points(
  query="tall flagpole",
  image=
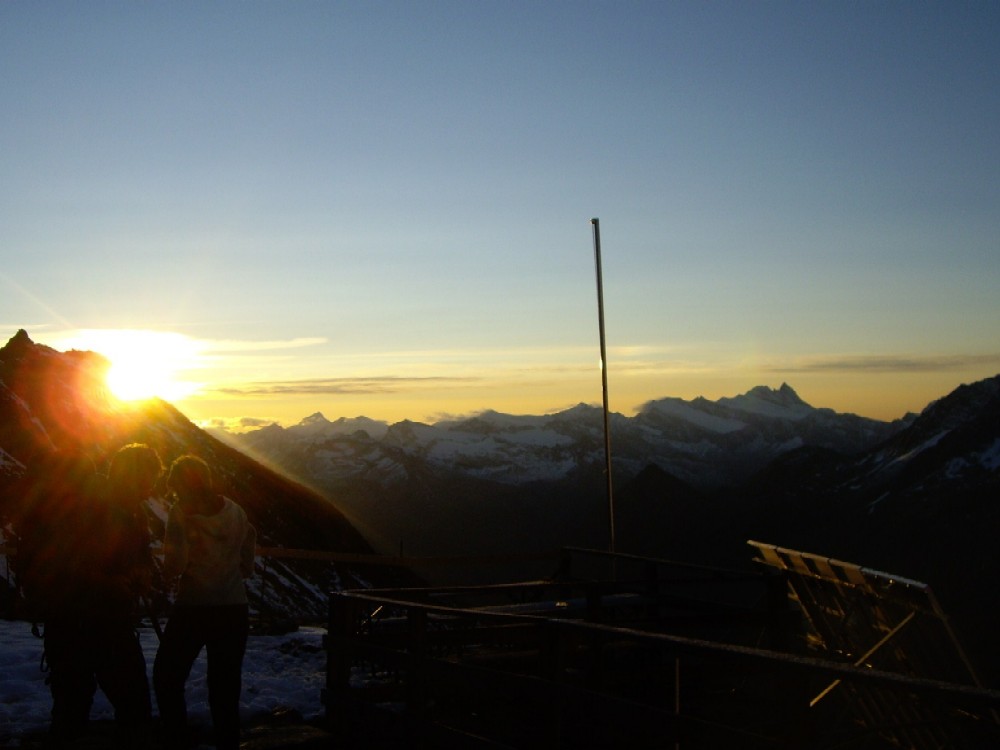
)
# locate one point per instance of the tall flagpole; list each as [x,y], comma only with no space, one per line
[604,384]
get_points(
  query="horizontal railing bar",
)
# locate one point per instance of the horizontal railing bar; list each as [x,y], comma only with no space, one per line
[292,553]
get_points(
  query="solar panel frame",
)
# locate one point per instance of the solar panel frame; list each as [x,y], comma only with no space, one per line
[882,621]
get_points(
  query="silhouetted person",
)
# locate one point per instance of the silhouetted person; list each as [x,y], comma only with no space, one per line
[210,545]
[53,525]
[84,556]
[125,577]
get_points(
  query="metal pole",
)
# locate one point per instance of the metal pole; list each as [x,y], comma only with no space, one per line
[604,383]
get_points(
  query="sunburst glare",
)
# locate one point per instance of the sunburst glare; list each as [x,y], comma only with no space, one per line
[144,364]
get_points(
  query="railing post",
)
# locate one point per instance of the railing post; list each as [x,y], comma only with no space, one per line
[778,612]
[553,666]
[416,676]
[565,570]
[595,603]
[340,631]
[677,702]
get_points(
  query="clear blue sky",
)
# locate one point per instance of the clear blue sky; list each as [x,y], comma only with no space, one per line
[383,208]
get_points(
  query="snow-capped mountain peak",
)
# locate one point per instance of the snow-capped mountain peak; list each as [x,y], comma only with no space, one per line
[318,427]
[781,403]
[694,413]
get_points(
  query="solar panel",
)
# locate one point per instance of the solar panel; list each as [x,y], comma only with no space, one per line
[877,620]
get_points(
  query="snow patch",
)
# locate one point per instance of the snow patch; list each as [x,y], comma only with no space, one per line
[929,443]
[955,468]
[681,410]
[989,459]
[763,407]
[9,464]
[279,672]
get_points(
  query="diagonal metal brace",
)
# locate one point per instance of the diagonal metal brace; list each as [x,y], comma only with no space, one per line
[865,657]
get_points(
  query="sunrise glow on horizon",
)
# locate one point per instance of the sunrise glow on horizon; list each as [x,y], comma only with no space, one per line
[213,383]
[388,214]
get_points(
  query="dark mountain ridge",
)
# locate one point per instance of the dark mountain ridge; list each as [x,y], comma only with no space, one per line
[940,470]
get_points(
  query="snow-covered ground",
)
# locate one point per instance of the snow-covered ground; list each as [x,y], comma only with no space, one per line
[279,672]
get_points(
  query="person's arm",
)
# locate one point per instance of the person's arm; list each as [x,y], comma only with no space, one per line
[143,567]
[248,551]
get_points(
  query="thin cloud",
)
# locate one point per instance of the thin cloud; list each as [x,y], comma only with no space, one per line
[479,354]
[887,363]
[253,422]
[235,425]
[213,346]
[338,386]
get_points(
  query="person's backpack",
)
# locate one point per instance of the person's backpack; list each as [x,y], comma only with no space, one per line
[53,523]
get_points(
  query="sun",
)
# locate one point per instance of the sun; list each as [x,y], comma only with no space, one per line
[132,379]
[144,364]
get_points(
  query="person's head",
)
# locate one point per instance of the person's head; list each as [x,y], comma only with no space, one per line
[134,470]
[190,479]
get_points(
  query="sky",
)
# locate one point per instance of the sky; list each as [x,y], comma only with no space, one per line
[384,208]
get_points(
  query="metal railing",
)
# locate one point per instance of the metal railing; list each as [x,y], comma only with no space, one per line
[683,656]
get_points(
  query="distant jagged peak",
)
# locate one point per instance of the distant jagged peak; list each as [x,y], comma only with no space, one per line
[783,402]
[408,431]
[699,413]
[785,395]
[964,403]
[21,338]
[580,410]
[480,423]
[316,418]
[17,346]
[499,417]
[374,427]
[318,426]
[20,347]
[360,419]
[490,421]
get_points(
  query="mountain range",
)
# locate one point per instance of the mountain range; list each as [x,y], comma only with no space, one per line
[708,444]
[693,481]
[500,483]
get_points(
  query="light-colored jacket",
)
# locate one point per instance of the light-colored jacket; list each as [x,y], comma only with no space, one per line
[211,554]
